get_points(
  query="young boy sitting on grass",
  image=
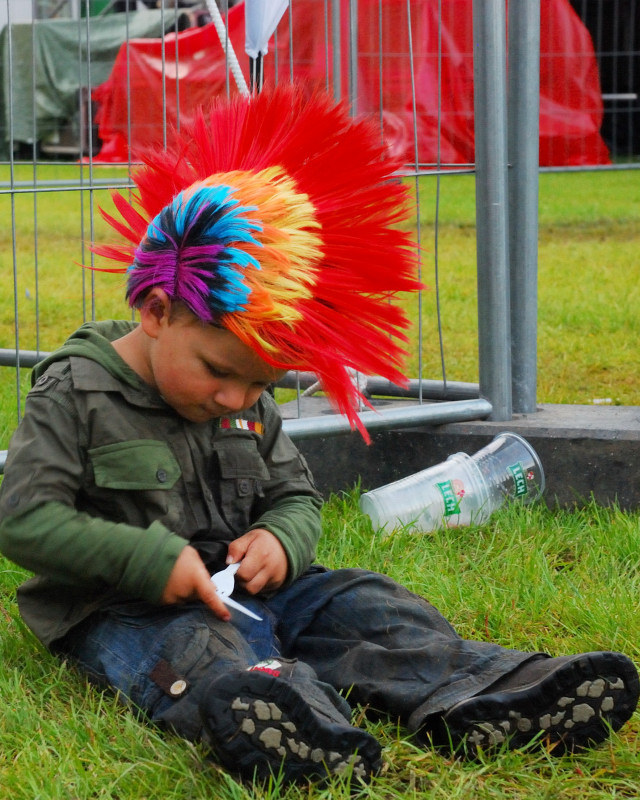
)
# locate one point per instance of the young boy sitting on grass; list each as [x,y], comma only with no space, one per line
[150,456]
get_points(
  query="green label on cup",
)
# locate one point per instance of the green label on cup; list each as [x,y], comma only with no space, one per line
[519,479]
[449,496]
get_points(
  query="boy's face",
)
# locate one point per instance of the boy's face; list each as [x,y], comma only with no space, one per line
[204,372]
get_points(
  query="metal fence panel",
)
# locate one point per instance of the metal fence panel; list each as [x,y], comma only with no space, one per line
[408,63]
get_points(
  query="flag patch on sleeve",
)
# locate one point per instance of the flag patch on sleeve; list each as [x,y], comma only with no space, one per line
[242,424]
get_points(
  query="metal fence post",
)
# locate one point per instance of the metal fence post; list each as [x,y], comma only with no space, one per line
[353,57]
[523,117]
[490,113]
[336,27]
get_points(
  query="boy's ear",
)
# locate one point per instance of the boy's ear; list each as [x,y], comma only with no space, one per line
[155,312]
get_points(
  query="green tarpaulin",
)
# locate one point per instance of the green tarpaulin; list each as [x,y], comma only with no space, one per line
[45,64]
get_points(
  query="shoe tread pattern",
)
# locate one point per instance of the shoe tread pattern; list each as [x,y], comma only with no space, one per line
[259,725]
[575,708]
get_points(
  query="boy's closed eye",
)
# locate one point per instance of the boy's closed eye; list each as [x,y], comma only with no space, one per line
[222,375]
[217,372]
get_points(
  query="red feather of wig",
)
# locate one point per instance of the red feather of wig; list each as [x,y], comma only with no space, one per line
[330,256]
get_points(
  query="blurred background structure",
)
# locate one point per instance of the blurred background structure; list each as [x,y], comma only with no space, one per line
[116,70]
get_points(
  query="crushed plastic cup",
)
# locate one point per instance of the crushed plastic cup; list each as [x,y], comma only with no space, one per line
[462,490]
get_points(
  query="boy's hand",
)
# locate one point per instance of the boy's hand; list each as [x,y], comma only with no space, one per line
[190,580]
[264,561]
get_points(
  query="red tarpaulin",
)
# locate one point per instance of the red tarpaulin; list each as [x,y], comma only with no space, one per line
[150,79]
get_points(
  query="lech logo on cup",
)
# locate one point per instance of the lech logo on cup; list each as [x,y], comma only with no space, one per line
[451,505]
[519,479]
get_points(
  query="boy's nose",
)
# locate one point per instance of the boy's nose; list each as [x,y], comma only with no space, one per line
[232,396]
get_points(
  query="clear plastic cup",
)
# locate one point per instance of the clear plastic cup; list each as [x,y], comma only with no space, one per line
[462,490]
[511,469]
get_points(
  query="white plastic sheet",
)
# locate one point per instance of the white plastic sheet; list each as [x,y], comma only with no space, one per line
[261,20]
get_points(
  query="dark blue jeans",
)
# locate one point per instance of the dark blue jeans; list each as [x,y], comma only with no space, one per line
[359,631]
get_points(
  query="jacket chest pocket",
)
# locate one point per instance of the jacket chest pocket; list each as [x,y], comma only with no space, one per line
[241,475]
[133,476]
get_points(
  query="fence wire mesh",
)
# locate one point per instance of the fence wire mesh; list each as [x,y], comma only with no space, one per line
[84,82]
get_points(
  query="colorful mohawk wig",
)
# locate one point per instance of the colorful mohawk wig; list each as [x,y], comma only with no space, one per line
[275,216]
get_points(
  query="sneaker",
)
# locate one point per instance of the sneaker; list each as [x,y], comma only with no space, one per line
[259,724]
[567,703]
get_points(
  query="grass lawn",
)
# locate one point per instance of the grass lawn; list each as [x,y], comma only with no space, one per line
[529,578]
[588,289]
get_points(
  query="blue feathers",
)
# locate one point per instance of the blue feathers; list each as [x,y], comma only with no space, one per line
[206,229]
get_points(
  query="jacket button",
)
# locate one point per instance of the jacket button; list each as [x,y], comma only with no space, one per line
[244,486]
[161,475]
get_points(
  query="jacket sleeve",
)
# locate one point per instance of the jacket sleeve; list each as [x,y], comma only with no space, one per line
[291,508]
[296,522]
[76,549]
[40,527]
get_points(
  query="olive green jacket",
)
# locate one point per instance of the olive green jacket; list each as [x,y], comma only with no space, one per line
[104,484]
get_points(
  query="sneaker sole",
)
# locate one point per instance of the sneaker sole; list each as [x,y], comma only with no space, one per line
[259,725]
[574,707]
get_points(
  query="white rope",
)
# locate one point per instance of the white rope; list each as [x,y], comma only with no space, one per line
[234,64]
